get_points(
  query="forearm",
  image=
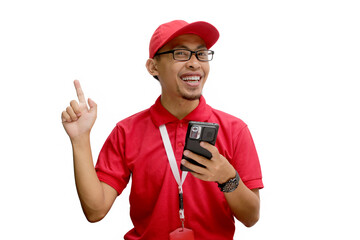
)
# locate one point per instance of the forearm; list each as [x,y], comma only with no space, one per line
[89,188]
[245,204]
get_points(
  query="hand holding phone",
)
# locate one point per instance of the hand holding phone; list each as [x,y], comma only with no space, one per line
[199,132]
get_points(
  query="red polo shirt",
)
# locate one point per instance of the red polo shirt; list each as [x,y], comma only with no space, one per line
[135,148]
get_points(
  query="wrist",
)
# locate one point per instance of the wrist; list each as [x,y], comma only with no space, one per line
[231,174]
[80,140]
[231,184]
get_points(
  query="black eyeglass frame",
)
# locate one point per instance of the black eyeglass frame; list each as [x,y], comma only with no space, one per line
[192,52]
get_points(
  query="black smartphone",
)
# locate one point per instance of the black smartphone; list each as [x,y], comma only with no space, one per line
[199,132]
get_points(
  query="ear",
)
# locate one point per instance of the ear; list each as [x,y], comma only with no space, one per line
[151,66]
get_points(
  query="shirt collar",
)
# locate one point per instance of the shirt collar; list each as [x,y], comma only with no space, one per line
[162,116]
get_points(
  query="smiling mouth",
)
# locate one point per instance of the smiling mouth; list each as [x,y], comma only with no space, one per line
[191,79]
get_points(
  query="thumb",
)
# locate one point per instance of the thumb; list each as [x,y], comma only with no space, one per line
[92,105]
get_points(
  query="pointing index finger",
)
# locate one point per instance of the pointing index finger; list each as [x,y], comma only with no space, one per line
[79,91]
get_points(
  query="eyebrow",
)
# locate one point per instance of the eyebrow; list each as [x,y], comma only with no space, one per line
[185,47]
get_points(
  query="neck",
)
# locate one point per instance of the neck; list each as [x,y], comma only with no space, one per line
[179,107]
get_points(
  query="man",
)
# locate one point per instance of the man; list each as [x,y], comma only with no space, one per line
[229,184]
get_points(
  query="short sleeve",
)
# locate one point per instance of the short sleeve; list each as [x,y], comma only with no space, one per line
[111,167]
[246,160]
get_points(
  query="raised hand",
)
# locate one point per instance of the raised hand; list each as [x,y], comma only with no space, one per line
[78,118]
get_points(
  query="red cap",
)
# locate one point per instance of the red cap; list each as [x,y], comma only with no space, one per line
[168,31]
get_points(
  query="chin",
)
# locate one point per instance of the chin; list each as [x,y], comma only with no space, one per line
[191,97]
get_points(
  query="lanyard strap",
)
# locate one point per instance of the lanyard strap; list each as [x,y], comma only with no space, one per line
[174,168]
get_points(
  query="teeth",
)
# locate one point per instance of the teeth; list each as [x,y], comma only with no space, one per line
[192,78]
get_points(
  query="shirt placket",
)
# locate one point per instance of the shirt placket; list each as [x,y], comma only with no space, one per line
[180,140]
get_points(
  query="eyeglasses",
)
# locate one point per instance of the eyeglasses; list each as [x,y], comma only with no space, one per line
[185,55]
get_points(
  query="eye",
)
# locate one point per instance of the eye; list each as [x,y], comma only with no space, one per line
[203,53]
[181,53]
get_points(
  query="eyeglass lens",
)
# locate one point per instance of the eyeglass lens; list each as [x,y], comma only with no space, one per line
[184,55]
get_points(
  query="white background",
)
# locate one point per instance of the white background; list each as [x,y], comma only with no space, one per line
[289,69]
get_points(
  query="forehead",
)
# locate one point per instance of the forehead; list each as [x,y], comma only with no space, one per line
[190,41]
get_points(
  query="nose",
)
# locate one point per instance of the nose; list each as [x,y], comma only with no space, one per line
[193,63]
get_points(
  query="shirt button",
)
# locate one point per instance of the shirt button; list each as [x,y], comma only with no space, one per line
[181,124]
[180,144]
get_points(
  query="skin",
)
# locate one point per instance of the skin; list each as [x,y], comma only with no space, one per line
[179,98]
[96,197]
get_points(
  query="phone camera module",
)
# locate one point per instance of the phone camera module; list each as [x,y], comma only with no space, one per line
[209,134]
[195,132]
